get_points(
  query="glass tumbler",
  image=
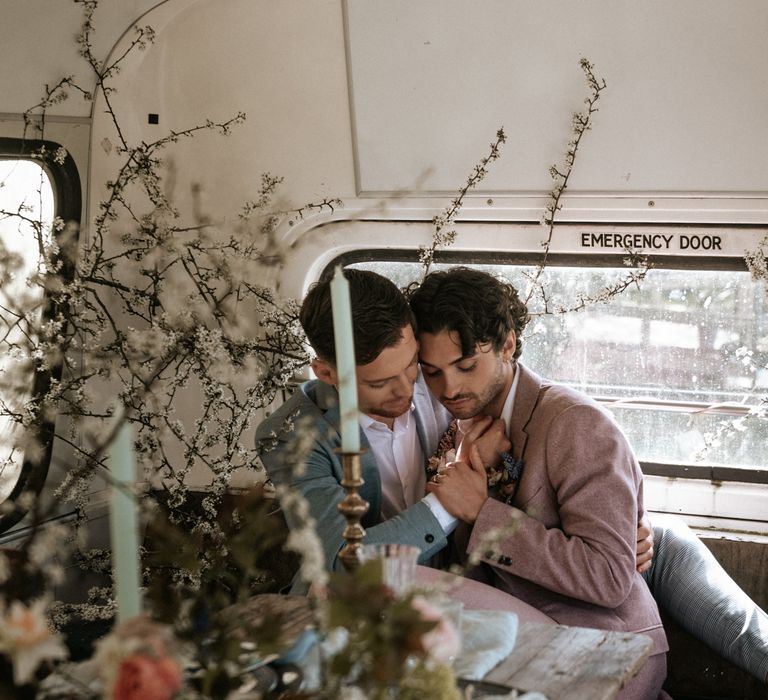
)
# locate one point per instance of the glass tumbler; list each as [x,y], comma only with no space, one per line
[398,564]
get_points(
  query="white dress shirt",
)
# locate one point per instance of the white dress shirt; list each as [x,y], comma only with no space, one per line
[401,463]
[506,412]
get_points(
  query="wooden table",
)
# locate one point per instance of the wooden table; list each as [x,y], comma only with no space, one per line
[576,663]
[562,663]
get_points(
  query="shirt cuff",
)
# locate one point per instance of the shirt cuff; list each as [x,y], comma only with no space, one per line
[446,520]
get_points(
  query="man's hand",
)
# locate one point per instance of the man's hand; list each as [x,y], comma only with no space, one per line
[462,488]
[490,438]
[644,545]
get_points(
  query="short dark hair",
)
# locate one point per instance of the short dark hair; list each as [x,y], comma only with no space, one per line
[380,311]
[478,306]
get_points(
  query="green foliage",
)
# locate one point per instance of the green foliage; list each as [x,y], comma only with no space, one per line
[384,631]
[429,681]
[195,576]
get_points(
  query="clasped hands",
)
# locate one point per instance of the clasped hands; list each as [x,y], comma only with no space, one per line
[462,486]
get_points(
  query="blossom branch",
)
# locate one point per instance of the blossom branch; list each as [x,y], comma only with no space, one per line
[443,234]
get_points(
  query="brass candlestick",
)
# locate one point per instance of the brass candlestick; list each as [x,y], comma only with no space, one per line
[353,508]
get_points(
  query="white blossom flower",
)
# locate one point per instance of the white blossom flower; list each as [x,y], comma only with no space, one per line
[303,539]
[27,640]
[60,155]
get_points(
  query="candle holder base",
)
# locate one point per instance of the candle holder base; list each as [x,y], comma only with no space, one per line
[353,508]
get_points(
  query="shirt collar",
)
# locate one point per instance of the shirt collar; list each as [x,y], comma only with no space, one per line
[402,421]
[506,411]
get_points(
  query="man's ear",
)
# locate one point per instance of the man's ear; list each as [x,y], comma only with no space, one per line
[508,349]
[325,371]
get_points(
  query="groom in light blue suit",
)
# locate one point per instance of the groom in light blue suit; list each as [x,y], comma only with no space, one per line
[401,424]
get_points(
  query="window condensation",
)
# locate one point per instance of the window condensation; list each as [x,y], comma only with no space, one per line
[680,359]
[25,190]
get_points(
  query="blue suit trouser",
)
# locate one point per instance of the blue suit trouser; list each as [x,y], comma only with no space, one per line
[689,585]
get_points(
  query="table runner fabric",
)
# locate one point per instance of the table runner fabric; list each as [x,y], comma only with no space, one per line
[477,595]
[487,637]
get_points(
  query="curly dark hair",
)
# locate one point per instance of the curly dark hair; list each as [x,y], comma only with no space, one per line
[476,305]
[380,311]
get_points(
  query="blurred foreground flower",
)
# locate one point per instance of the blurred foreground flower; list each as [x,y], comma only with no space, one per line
[392,646]
[142,677]
[442,642]
[138,661]
[26,638]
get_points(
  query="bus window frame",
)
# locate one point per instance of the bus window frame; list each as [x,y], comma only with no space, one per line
[698,471]
[67,205]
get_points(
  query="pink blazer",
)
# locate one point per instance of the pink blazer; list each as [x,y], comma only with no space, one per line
[572,551]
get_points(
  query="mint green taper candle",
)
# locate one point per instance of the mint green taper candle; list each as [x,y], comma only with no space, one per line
[123,525]
[341,306]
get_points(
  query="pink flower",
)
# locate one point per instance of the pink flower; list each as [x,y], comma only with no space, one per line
[141,677]
[442,642]
[138,661]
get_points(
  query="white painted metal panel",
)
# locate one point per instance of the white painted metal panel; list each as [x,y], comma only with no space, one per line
[685,109]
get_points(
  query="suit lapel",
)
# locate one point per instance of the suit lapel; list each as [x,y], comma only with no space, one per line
[526,398]
[327,399]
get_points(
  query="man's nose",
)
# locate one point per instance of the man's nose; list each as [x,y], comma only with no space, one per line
[403,385]
[451,386]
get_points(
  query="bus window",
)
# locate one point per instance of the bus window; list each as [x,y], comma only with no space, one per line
[673,357]
[24,189]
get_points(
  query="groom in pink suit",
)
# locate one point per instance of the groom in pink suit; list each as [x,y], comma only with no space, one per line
[567,479]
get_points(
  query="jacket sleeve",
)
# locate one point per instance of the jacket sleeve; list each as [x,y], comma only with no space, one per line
[320,484]
[594,482]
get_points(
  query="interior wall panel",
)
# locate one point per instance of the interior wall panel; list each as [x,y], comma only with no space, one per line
[684,111]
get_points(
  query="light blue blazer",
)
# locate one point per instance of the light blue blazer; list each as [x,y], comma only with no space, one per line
[309,423]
